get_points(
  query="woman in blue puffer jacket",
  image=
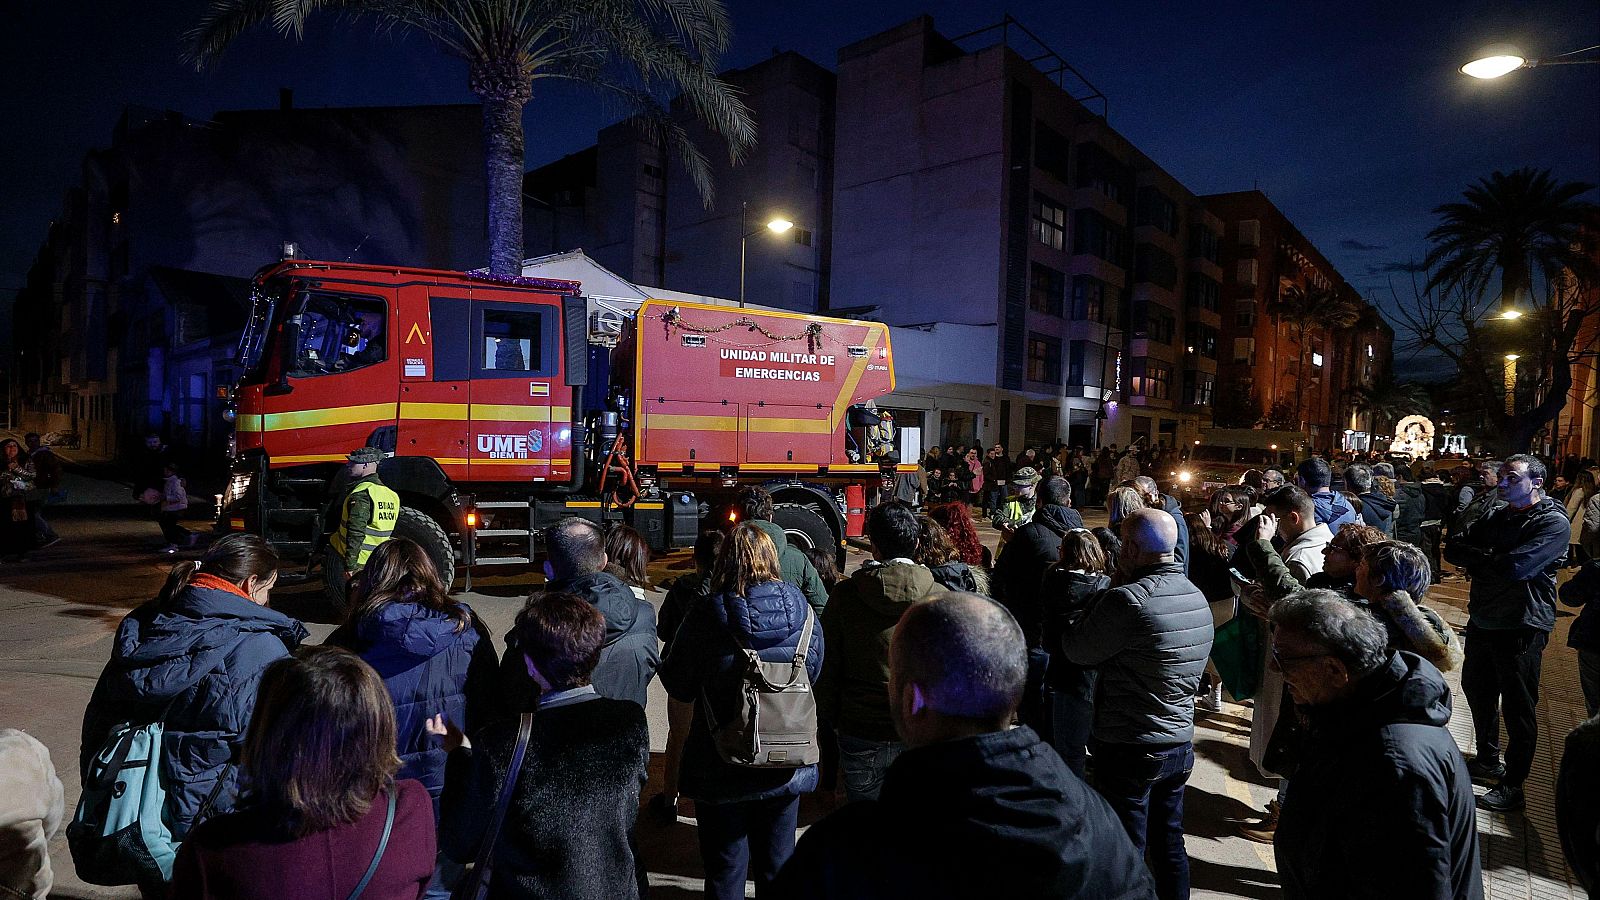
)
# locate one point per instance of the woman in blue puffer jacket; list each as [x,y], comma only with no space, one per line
[746,815]
[434,655]
[192,659]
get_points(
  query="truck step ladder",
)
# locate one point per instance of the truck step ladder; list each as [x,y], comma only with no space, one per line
[517,537]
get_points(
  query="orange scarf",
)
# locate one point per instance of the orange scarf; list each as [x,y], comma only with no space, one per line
[202,580]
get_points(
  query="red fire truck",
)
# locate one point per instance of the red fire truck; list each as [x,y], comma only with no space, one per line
[499,415]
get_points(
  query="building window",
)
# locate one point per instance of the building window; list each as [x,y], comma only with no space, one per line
[1316,359]
[1203,292]
[1156,209]
[1246,273]
[1155,266]
[1093,300]
[1244,313]
[1199,388]
[802,236]
[1152,321]
[1201,339]
[1369,351]
[1044,359]
[1250,233]
[1099,170]
[1202,242]
[1077,352]
[1047,290]
[1051,151]
[1097,235]
[1049,222]
[1244,350]
[1150,379]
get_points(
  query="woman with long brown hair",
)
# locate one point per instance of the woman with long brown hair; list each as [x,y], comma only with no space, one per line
[322,811]
[936,551]
[627,556]
[192,659]
[747,816]
[434,655]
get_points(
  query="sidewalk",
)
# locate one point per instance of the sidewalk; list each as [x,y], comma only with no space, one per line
[1521,852]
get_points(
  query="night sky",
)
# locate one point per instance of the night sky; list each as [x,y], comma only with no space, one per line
[1350,116]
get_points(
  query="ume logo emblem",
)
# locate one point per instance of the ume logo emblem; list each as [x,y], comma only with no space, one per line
[503,446]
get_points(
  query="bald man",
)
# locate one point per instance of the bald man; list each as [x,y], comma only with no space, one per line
[1149,638]
[972,807]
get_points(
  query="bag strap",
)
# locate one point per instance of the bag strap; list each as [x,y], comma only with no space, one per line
[492,834]
[804,646]
[372,869]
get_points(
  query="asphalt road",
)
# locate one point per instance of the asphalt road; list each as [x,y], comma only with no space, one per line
[59,608]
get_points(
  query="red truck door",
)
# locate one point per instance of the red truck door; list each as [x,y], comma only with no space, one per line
[432,331]
[515,366]
[340,362]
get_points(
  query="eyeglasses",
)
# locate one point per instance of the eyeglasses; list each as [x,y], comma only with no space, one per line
[1280,660]
[1345,550]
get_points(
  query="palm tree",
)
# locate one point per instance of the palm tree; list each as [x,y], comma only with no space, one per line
[1519,224]
[1388,401]
[1310,310]
[641,51]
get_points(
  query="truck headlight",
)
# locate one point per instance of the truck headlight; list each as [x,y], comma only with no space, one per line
[238,486]
[1184,477]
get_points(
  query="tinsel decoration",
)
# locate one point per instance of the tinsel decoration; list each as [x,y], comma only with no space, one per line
[812,335]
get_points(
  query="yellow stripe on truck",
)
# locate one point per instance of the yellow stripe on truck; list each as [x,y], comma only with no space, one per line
[453,412]
[761,425]
[514,413]
[334,415]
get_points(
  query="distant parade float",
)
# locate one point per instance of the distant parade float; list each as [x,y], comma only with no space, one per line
[1413,436]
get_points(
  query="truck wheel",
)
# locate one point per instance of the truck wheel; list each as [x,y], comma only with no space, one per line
[415,525]
[804,526]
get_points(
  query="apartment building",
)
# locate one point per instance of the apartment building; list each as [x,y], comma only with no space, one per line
[971,187]
[1269,376]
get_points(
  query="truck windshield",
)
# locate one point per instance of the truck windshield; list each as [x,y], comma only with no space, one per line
[1255,457]
[1213,454]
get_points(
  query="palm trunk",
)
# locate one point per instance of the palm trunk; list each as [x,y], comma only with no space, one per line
[503,168]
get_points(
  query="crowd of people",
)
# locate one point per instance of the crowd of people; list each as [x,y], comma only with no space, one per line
[1031,706]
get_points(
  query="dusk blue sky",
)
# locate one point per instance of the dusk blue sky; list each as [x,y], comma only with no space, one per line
[1350,116]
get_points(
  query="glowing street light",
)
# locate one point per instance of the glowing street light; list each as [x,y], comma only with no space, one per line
[1512,357]
[1503,59]
[776,225]
[1510,314]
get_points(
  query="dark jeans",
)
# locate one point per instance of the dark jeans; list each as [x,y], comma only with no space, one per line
[1035,708]
[1071,720]
[1144,786]
[1501,674]
[170,529]
[994,497]
[732,835]
[1589,680]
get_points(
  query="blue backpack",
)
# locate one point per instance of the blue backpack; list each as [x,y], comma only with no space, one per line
[118,835]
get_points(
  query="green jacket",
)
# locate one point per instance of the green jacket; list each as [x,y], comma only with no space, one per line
[797,570]
[853,690]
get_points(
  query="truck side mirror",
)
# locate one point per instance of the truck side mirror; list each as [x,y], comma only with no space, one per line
[286,359]
[575,332]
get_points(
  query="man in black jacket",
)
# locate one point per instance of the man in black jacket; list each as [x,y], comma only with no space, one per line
[1380,804]
[1377,508]
[1149,638]
[1512,554]
[968,787]
[630,654]
[1018,575]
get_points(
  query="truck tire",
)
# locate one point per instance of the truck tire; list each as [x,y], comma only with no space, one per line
[416,525]
[413,525]
[804,526]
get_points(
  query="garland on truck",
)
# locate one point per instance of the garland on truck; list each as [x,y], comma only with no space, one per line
[812,335]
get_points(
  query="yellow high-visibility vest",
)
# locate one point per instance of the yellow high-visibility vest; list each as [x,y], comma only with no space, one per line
[385,513]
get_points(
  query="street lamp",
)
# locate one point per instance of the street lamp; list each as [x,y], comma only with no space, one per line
[776,225]
[1503,59]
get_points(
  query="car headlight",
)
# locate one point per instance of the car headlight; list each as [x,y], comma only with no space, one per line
[1184,477]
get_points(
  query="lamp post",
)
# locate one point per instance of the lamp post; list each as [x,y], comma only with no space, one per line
[1511,383]
[776,225]
[1503,59]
